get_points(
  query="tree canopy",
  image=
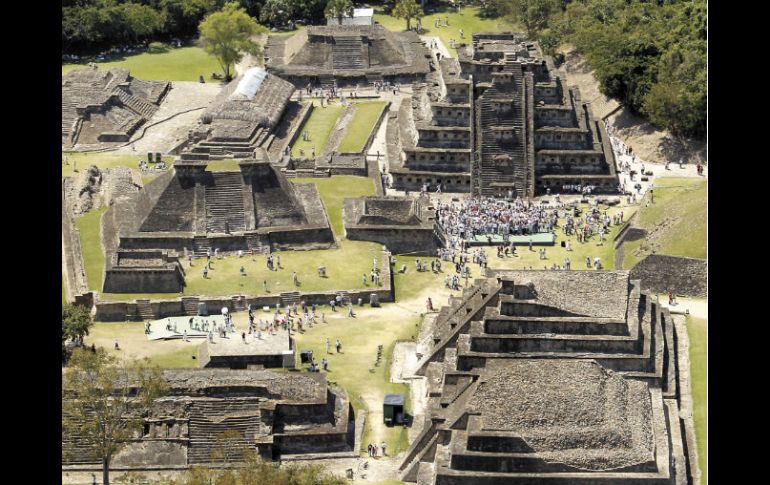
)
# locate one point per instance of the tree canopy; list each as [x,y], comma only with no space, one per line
[104,401]
[339,9]
[407,10]
[532,14]
[227,35]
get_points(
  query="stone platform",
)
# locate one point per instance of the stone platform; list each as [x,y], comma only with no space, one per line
[159,332]
[233,352]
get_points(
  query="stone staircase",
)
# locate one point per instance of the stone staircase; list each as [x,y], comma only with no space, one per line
[494,171]
[142,108]
[200,246]
[145,310]
[190,305]
[203,437]
[345,297]
[326,81]
[68,117]
[347,53]
[289,298]
[224,203]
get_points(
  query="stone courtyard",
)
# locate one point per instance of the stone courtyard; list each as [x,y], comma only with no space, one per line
[516,376]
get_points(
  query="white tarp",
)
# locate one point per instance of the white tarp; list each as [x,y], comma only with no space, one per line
[249,85]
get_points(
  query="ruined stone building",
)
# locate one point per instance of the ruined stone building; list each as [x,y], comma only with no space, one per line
[191,208]
[274,414]
[496,119]
[254,111]
[404,225]
[347,55]
[539,377]
[101,106]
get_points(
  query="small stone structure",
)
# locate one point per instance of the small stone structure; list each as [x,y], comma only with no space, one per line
[106,106]
[403,224]
[271,351]
[552,377]
[194,209]
[498,119]
[682,276]
[347,55]
[276,414]
[246,116]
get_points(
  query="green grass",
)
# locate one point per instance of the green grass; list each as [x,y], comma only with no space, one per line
[319,125]
[63,291]
[677,218]
[168,64]
[697,330]
[89,226]
[81,162]
[177,359]
[364,119]
[468,19]
[354,369]
[334,190]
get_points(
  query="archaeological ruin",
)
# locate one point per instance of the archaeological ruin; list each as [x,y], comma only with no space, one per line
[101,106]
[192,210]
[347,55]
[497,119]
[277,415]
[552,377]
[402,224]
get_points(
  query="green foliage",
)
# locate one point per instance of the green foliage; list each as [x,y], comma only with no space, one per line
[651,56]
[339,9]
[106,401]
[408,10]
[76,321]
[532,14]
[227,35]
[492,8]
[109,21]
[276,12]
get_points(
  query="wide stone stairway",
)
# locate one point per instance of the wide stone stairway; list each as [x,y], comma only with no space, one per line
[224,203]
[347,53]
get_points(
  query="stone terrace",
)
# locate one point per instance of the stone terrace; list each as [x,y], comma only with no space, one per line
[514,398]
[276,413]
[106,106]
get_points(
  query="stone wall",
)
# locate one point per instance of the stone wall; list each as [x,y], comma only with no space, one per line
[663,274]
[398,240]
[144,280]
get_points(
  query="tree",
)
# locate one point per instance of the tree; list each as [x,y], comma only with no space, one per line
[339,9]
[227,36]
[532,14]
[408,9]
[76,322]
[276,12]
[104,403]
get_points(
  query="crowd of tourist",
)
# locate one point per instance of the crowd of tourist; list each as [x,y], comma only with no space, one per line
[487,215]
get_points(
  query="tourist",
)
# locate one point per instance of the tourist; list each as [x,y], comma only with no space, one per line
[383,446]
[363,279]
[264,285]
[339,346]
[243,336]
[243,271]
[205,272]
[369,449]
[117,345]
[295,278]
[350,310]
[430,305]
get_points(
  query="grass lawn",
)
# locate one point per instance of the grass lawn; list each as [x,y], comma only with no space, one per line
[319,125]
[468,19]
[89,226]
[354,369]
[525,258]
[334,190]
[676,220]
[81,162]
[697,330]
[134,345]
[364,118]
[167,64]
[63,291]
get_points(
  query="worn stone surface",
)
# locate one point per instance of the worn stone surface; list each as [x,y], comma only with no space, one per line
[663,274]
